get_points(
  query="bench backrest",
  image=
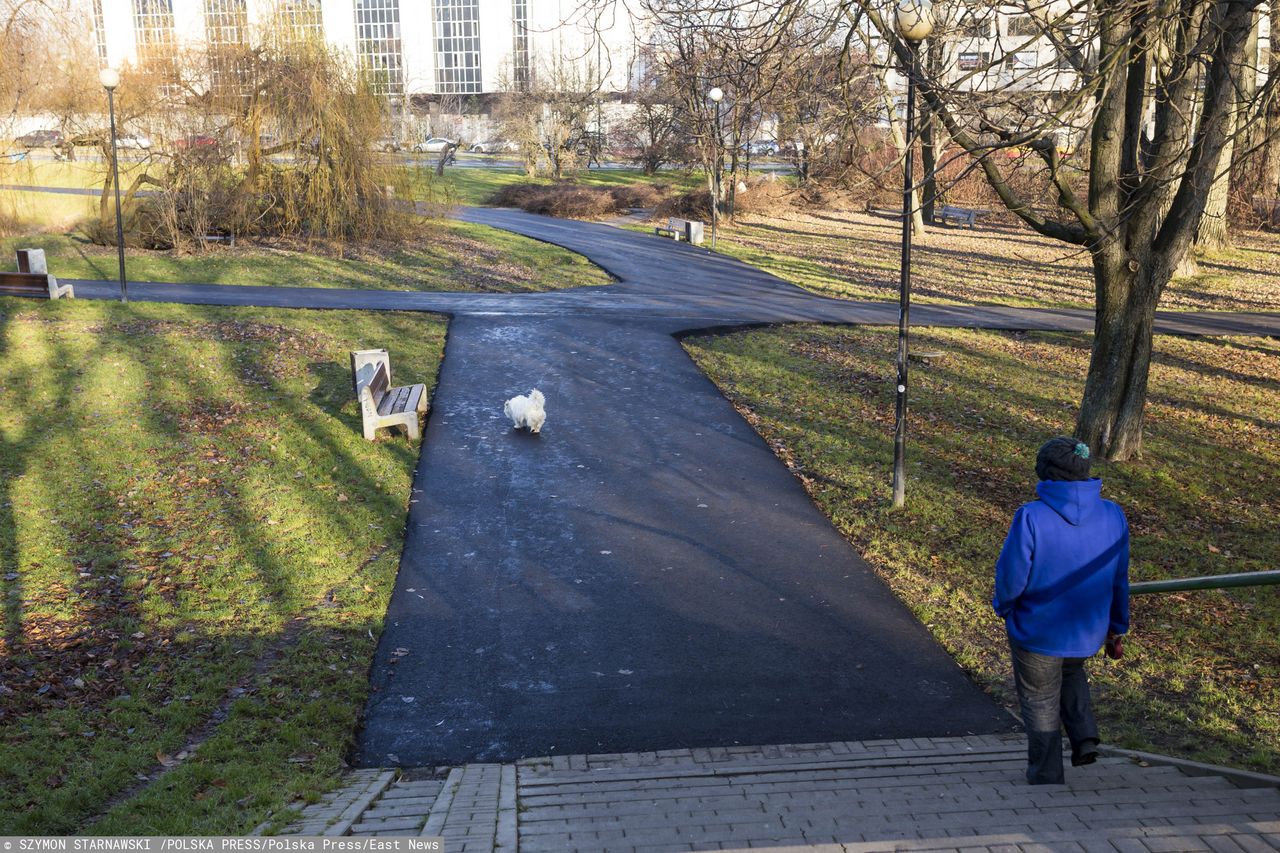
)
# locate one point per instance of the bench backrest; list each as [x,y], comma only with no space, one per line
[379,384]
[24,280]
[372,393]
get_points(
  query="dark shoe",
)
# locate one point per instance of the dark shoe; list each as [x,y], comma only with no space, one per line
[1086,754]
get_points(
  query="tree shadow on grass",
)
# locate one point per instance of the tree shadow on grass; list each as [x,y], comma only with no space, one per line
[206,476]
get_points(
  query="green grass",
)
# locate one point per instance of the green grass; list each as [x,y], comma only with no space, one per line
[475,186]
[196,552]
[1201,677]
[448,255]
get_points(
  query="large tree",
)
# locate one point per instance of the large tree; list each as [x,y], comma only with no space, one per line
[1156,86]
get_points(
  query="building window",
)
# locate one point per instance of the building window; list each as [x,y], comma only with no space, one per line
[378,44]
[975,28]
[300,20]
[1023,26]
[457,44]
[1023,60]
[520,44]
[153,29]
[225,22]
[100,32]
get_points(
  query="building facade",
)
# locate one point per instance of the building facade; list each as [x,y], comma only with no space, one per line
[412,47]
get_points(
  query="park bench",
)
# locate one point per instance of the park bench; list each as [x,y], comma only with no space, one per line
[382,405]
[1267,208]
[681,229]
[32,278]
[967,215]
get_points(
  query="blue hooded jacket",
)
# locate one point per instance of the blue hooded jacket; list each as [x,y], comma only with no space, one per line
[1062,580]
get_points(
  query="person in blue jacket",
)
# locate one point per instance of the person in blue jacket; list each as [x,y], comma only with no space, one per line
[1062,588]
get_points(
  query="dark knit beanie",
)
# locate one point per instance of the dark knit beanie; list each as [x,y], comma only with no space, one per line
[1063,458]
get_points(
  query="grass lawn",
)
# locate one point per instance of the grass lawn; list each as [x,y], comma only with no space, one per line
[1201,676]
[854,255]
[448,256]
[196,552]
[474,186]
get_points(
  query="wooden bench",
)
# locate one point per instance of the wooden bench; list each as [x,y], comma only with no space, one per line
[32,278]
[681,229]
[382,405]
[961,214]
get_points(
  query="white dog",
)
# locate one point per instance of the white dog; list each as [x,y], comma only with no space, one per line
[527,411]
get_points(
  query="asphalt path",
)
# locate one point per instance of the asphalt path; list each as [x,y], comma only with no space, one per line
[645,574]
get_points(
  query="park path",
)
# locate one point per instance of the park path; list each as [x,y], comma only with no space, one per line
[594,631]
[646,574]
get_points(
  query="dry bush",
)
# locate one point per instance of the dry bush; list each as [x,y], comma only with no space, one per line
[761,196]
[640,195]
[572,201]
[11,225]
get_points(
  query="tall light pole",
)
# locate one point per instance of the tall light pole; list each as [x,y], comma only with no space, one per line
[110,78]
[716,95]
[915,23]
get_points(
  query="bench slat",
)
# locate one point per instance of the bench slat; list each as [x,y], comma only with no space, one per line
[24,281]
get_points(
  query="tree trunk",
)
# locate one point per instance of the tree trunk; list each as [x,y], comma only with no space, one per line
[929,162]
[1212,234]
[1115,392]
[1271,153]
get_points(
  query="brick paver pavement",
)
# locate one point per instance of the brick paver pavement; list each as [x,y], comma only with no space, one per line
[916,794]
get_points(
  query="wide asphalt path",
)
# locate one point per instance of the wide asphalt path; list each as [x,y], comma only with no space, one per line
[645,574]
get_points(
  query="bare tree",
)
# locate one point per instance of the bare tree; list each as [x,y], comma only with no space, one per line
[1156,98]
[547,116]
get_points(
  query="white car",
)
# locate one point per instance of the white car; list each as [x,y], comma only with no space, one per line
[135,140]
[434,145]
[495,146]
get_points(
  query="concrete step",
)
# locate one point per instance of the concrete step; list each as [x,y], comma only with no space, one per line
[918,794]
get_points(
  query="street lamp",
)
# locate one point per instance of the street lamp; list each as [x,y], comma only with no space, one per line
[915,23]
[716,95]
[110,78]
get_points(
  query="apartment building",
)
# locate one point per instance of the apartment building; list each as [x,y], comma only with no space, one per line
[419,47]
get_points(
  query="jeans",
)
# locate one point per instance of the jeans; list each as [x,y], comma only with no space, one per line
[1053,693]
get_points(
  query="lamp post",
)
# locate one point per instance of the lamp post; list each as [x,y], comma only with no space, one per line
[716,95]
[915,23]
[110,78]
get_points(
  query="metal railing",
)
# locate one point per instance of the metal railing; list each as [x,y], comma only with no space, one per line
[1208,582]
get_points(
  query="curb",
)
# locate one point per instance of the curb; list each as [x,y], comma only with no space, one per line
[1239,778]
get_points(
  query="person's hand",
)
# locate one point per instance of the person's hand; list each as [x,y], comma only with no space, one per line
[1114,647]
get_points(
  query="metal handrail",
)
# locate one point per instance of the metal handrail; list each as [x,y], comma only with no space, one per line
[1208,582]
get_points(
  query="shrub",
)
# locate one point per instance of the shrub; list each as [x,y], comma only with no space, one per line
[573,201]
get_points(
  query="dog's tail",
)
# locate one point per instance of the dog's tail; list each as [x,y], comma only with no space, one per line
[536,396]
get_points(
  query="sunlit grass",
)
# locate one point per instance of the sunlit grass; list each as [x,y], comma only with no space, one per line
[1202,674]
[196,543]
[447,255]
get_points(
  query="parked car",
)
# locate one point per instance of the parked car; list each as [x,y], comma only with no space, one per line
[760,148]
[196,141]
[41,139]
[134,140]
[495,146]
[434,145]
[388,144]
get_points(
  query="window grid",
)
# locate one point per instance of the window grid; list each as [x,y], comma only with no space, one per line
[301,19]
[1022,26]
[153,30]
[378,43]
[973,27]
[457,46]
[100,32]
[520,44]
[225,22]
